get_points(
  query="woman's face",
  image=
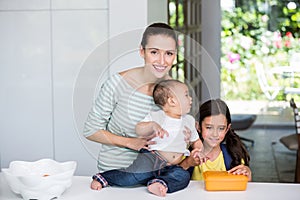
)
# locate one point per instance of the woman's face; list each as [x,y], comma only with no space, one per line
[159,54]
[214,129]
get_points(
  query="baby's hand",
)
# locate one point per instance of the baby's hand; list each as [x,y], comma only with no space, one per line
[159,131]
[187,134]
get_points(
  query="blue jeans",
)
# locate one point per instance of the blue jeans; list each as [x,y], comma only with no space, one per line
[149,166]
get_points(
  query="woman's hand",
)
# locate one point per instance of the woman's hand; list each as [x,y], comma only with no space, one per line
[242,169]
[139,143]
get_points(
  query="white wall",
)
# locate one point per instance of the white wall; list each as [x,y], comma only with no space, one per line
[52,54]
[26,81]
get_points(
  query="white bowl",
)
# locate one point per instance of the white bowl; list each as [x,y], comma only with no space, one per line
[44,179]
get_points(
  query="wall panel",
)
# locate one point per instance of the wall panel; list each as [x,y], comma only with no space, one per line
[26,86]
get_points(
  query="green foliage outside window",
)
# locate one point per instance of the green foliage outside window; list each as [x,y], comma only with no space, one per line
[250,38]
[254,33]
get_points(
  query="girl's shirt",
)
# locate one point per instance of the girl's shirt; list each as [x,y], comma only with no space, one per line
[117,109]
[217,165]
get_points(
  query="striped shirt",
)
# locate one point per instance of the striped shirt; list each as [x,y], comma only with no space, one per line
[117,109]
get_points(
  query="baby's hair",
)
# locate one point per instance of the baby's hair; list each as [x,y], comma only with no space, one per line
[162,91]
[158,28]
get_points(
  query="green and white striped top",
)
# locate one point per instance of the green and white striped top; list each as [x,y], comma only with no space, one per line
[117,109]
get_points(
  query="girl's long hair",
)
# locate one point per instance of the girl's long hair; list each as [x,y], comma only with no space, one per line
[233,142]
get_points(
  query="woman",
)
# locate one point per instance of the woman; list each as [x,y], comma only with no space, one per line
[126,97]
[225,150]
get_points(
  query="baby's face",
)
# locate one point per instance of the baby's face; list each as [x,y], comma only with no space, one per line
[183,97]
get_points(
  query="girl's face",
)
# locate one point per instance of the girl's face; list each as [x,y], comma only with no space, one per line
[214,129]
[159,54]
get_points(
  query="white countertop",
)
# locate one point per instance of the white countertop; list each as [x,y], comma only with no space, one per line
[80,190]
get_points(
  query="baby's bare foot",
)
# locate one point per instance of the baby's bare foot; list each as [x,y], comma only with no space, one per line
[95,185]
[157,189]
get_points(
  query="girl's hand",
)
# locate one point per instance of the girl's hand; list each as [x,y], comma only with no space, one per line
[194,159]
[199,156]
[243,170]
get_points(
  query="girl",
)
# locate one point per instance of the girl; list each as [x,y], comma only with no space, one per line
[226,151]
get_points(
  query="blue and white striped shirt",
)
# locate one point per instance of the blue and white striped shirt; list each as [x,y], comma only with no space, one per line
[117,109]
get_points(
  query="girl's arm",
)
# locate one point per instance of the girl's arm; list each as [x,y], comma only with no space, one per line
[190,161]
[242,169]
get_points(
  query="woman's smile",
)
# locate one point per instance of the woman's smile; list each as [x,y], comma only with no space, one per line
[160,68]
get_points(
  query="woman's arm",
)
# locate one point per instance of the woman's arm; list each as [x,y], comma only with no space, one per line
[106,137]
[100,115]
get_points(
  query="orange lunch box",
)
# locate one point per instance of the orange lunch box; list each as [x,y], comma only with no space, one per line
[224,181]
